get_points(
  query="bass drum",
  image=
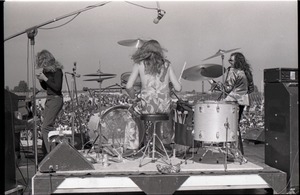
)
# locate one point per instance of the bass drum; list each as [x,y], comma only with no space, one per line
[121,129]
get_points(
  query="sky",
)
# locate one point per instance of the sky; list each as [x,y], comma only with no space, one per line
[265,31]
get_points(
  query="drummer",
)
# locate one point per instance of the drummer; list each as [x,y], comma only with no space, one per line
[155,73]
[238,83]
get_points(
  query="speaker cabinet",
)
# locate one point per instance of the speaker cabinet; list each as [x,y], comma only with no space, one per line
[11,105]
[281,128]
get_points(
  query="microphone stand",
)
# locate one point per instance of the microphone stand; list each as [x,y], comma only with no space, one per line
[73,110]
[222,57]
[72,103]
[223,79]
[100,149]
[79,119]
[31,35]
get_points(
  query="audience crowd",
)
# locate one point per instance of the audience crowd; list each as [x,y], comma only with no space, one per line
[82,107]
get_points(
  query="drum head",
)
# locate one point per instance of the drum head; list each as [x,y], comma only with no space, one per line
[121,129]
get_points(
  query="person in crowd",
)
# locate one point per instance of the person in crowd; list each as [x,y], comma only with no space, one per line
[157,80]
[238,84]
[50,75]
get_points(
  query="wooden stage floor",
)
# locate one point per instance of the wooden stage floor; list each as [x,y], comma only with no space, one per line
[266,180]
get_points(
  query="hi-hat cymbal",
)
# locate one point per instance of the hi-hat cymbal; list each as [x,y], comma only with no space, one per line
[132,42]
[203,72]
[221,52]
[98,79]
[100,74]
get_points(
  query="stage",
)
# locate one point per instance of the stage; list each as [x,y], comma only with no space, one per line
[125,175]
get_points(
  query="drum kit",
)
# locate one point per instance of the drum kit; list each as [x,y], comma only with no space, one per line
[214,121]
[121,115]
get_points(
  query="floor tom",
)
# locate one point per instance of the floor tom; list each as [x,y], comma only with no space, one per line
[216,121]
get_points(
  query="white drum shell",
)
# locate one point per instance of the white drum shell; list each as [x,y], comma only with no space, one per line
[212,118]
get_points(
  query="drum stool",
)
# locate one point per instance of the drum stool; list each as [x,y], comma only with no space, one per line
[155,118]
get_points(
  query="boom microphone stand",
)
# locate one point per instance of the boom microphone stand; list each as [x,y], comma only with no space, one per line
[31,34]
[56,19]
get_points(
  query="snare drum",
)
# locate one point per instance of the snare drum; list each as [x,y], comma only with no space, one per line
[216,121]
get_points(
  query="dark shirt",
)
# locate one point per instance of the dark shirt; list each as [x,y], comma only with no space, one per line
[54,82]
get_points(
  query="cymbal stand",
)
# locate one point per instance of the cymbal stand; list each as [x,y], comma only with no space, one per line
[100,126]
[226,125]
[73,111]
[72,93]
[202,87]
[99,136]
[92,96]
[222,57]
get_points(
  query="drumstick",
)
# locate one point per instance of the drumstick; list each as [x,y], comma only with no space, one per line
[179,117]
[175,116]
[211,81]
[181,72]
[184,116]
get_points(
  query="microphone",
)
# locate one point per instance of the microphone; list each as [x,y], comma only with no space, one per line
[160,13]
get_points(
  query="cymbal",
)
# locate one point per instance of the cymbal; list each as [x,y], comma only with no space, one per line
[221,52]
[98,79]
[100,74]
[132,42]
[203,72]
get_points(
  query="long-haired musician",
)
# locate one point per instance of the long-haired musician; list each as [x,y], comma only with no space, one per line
[51,79]
[238,84]
[155,72]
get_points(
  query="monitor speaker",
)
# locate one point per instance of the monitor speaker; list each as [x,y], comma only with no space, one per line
[64,157]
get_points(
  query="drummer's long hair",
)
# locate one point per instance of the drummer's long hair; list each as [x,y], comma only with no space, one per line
[242,64]
[151,53]
[45,59]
